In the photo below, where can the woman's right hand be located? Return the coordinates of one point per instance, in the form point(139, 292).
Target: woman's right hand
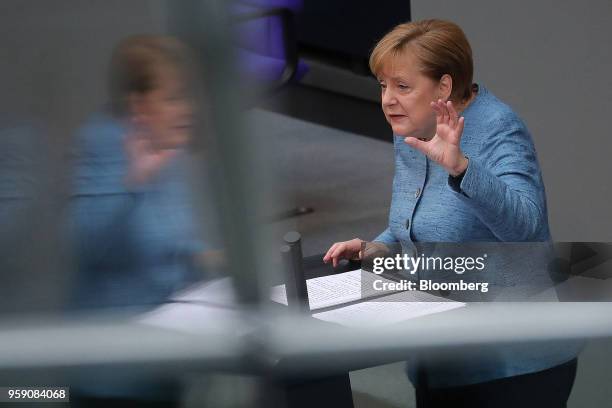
point(343, 250)
point(145, 161)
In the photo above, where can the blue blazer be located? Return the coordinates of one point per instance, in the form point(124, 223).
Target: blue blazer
point(133, 246)
point(500, 198)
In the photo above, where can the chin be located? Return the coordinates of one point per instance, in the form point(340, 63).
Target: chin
point(400, 131)
point(417, 134)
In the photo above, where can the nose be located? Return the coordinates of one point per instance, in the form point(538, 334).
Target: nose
point(388, 97)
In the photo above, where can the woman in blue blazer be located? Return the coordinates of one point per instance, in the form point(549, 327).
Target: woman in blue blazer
point(465, 170)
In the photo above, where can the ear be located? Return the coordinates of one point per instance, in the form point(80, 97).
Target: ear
point(445, 87)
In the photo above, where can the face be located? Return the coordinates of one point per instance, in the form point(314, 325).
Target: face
point(406, 95)
point(166, 112)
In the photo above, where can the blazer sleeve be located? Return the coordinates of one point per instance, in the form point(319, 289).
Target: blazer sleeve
point(386, 237)
point(504, 187)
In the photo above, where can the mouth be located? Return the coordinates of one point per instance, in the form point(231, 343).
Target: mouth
point(395, 117)
point(182, 127)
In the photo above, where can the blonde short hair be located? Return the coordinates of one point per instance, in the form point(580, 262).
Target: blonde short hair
point(137, 64)
point(441, 48)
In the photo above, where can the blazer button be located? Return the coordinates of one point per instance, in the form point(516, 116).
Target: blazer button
point(417, 193)
point(408, 223)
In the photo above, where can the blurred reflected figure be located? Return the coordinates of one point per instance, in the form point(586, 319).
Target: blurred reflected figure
point(135, 233)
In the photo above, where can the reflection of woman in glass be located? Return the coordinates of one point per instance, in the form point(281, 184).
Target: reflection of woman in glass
point(466, 170)
point(134, 231)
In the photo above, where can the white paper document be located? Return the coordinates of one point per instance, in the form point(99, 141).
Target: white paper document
point(388, 310)
point(217, 292)
point(357, 285)
point(202, 306)
point(334, 290)
point(190, 318)
point(209, 304)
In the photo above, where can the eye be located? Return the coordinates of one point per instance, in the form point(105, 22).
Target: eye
point(382, 85)
point(402, 87)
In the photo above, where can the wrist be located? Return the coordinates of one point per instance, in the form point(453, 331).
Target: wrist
point(460, 168)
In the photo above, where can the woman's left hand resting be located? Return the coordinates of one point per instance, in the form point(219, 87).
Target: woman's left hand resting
point(343, 250)
point(444, 148)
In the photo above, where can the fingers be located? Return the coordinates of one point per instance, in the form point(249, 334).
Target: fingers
point(452, 113)
point(338, 254)
point(460, 124)
point(340, 250)
point(439, 115)
point(445, 113)
point(331, 249)
point(444, 110)
point(420, 145)
point(442, 115)
point(334, 253)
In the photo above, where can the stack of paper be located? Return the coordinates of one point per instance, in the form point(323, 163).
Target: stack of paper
point(388, 310)
point(212, 303)
point(334, 290)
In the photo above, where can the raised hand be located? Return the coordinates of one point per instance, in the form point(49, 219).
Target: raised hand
point(444, 147)
point(145, 161)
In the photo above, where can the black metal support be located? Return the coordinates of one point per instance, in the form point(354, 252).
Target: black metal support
point(295, 282)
